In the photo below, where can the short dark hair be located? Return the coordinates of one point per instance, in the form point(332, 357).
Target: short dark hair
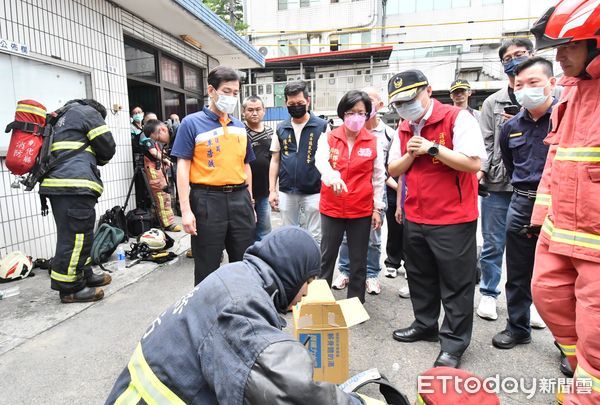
point(293, 88)
point(520, 42)
point(137, 106)
point(350, 99)
point(222, 74)
point(252, 98)
point(538, 60)
point(151, 126)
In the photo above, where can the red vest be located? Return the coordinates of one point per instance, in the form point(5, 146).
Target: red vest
point(356, 170)
point(437, 194)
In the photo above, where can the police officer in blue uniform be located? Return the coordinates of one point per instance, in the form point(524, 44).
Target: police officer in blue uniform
point(524, 156)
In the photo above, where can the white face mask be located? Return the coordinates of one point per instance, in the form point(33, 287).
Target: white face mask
point(410, 111)
point(531, 97)
point(226, 104)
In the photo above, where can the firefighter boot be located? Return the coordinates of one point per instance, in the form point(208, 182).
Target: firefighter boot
point(98, 280)
point(85, 295)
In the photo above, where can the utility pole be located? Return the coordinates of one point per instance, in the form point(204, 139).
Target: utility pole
point(383, 20)
point(232, 13)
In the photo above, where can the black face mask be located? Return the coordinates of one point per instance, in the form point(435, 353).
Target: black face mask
point(297, 111)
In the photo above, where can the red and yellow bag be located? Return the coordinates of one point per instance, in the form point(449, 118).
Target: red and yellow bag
point(26, 139)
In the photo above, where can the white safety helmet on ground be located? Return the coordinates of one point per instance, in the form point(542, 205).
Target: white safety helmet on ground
point(15, 265)
point(154, 238)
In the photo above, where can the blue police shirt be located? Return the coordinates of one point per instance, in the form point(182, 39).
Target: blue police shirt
point(523, 149)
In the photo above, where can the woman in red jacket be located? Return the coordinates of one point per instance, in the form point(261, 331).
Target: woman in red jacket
point(353, 175)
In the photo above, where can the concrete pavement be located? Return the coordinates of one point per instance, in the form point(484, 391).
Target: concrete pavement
point(76, 356)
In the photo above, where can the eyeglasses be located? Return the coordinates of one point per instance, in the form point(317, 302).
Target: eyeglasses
point(351, 113)
point(516, 55)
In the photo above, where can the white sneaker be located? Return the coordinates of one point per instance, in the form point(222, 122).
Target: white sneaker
point(340, 282)
point(373, 286)
point(535, 320)
point(487, 308)
point(404, 292)
point(391, 272)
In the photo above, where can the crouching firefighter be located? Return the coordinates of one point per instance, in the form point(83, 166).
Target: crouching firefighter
point(223, 342)
point(81, 142)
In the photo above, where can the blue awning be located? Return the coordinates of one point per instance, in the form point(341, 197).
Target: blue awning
point(208, 17)
point(193, 19)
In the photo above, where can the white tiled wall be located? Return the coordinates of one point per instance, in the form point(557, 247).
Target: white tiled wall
point(86, 34)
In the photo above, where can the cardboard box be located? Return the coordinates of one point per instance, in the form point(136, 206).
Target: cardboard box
point(321, 323)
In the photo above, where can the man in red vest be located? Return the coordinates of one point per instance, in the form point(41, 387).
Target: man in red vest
point(439, 149)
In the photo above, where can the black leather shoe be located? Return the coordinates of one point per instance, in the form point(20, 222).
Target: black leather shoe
point(412, 334)
point(98, 280)
point(506, 340)
point(565, 366)
point(85, 295)
point(445, 359)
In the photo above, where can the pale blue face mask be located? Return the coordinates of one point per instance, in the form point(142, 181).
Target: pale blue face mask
point(531, 97)
point(138, 117)
point(226, 103)
point(411, 110)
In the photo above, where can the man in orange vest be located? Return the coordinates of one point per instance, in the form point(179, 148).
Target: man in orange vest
point(566, 282)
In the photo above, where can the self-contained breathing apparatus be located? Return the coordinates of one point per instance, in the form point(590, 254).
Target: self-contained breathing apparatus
point(29, 153)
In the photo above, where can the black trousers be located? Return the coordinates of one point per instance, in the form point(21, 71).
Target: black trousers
point(393, 247)
point(223, 221)
point(75, 218)
point(142, 197)
point(357, 233)
point(440, 264)
point(520, 254)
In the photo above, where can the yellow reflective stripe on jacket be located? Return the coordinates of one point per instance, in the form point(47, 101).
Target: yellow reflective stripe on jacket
point(515, 134)
point(152, 390)
point(420, 400)
point(567, 350)
point(102, 129)
point(543, 199)
point(26, 108)
point(587, 240)
point(65, 278)
point(581, 374)
point(77, 246)
point(73, 183)
point(591, 154)
point(70, 145)
point(129, 397)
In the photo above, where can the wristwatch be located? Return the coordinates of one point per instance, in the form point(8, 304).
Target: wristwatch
point(434, 150)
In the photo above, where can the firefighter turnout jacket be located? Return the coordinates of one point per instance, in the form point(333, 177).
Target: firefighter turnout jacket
point(79, 175)
point(567, 204)
point(223, 342)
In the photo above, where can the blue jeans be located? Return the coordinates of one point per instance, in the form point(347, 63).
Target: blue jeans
point(493, 228)
point(373, 255)
point(263, 217)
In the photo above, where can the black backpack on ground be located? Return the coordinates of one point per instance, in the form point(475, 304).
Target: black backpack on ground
point(139, 221)
point(115, 217)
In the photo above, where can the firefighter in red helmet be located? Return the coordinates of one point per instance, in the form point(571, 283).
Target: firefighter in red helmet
point(566, 279)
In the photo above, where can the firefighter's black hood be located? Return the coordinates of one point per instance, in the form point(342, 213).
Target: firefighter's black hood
point(292, 256)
